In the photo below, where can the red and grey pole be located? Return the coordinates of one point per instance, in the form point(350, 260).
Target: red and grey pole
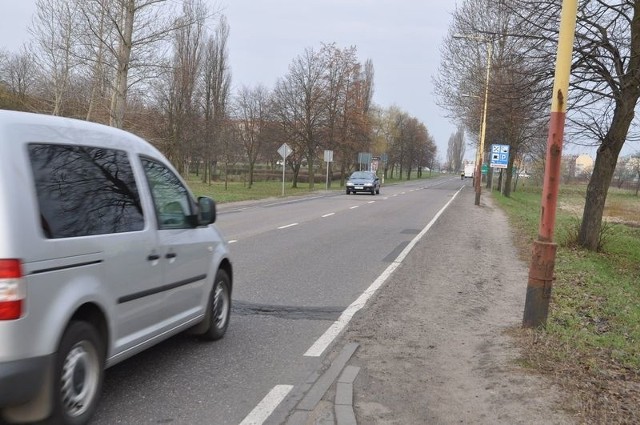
point(541, 270)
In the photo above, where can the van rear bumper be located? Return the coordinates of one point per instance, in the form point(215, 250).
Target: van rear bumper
point(21, 380)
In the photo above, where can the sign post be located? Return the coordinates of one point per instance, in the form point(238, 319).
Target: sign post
point(328, 157)
point(284, 151)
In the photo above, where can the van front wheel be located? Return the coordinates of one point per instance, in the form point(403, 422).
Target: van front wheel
point(219, 308)
point(79, 372)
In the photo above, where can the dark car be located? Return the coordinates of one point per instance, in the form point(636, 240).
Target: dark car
point(363, 181)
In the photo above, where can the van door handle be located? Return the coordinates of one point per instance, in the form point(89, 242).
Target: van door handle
point(153, 257)
point(171, 255)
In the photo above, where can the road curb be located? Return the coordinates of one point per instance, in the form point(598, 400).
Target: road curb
point(344, 412)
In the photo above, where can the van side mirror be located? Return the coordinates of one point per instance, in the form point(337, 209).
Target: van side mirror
point(207, 210)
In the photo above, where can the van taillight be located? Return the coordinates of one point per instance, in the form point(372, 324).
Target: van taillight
point(12, 290)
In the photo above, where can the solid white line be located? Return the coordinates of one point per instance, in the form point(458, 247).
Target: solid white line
point(328, 215)
point(265, 408)
point(354, 207)
point(339, 325)
point(288, 225)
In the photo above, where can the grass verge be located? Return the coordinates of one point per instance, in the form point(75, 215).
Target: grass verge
point(591, 344)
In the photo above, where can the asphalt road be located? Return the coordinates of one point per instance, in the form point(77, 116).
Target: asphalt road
point(298, 263)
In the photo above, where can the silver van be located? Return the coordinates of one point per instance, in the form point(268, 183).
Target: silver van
point(104, 252)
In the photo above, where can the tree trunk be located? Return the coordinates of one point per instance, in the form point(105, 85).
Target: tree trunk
point(296, 171)
point(312, 174)
point(119, 98)
point(606, 159)
point(252, 164)
point(509, 175)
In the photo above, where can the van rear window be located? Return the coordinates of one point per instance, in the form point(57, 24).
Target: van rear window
point(84, 190)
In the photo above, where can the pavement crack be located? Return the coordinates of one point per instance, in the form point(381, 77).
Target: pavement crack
point(286, 312)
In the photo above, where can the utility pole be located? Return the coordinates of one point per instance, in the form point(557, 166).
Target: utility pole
point(543, 256)
point(477, 178)
point(483, 130)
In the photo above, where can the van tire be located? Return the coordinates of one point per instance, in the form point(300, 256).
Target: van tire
point(218, 308)
point(78, 374)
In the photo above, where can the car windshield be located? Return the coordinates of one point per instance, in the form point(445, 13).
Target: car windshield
point(361, 175)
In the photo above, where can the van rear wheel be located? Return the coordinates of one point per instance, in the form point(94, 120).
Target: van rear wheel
point(79, 371)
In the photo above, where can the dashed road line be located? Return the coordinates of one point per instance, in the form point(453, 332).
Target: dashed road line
point(328, 215)
point(287, 226)
point(265, 408)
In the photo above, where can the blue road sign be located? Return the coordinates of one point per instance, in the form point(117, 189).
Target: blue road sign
point(499, 156)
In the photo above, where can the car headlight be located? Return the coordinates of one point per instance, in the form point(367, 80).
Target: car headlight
point(368, 184)
point(349, 183)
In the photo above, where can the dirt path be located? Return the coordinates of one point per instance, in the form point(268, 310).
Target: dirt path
point(433, 347)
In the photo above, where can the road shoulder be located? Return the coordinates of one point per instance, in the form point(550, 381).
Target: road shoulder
point(433, 346)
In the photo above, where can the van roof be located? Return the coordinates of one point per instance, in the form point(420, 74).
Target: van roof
point(48, 128)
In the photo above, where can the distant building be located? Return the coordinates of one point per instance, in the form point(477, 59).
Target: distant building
point(584, 165)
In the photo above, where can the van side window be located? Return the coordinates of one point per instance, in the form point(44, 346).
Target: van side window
point(171, 199)
point(84, 190)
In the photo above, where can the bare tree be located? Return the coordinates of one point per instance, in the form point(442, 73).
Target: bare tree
point(215, 88)
point(187, 51)
point(136, 30)
point(301, 98)
point(384, 133)
point(54, 40)
point(456, 150)
point(252, 115)
point(18, 72)
point(605, 86)
point(349, 92)
point(516, 85)
point(96, 33)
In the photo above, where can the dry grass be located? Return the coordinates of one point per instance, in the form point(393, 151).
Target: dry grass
point(590, 347)
point(597, 391)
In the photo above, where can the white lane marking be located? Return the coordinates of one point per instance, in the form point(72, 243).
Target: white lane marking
point(371, 202)
point(328, 215)
point(288, 225)
point(265, 408)
point(354, 207)
point(233, 241)
point(339, 325)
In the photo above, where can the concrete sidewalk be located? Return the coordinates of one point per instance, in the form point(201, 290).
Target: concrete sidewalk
point(430, 347)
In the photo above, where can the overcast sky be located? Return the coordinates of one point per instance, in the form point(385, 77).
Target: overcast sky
point(401, 37)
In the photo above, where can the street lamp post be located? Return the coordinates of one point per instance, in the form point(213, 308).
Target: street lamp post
point(478, 145)
point(483, 130)
point(483, 126)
